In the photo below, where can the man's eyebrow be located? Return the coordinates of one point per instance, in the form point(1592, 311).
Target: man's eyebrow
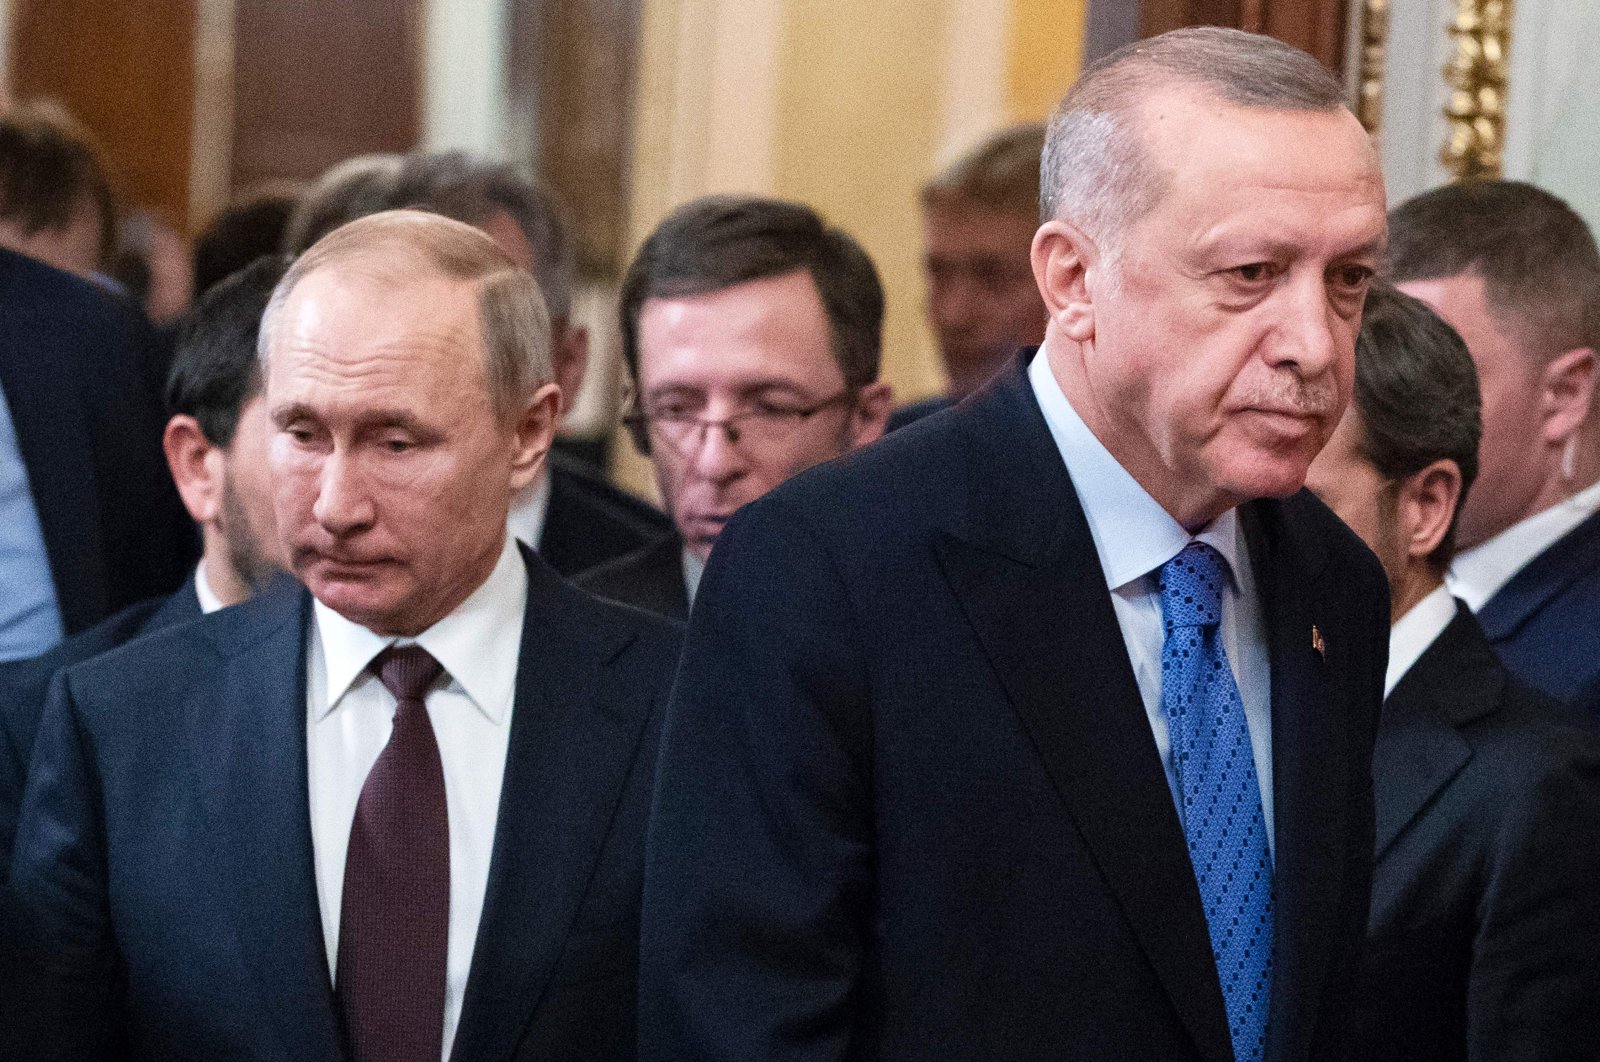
point(290, 413)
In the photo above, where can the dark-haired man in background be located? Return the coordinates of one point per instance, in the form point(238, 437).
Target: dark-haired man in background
point(978, 219)
point(1484, 928)
point(1516, 272)
point(216, 447)
point(751, 330)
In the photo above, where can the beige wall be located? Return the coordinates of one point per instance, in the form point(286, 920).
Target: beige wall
point(845, 106)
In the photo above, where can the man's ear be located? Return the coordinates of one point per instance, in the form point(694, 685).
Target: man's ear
point(534, 431)
point(1567, 393)
point(873, 405)
point(197, 467)
point(1062, 257)
point(1425, 507)
point(569, 358)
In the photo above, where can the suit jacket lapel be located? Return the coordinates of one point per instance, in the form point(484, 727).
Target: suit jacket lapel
point(1419, 746)
point(573, 743)
point(250, 746)
point(1026, 572)
point(1309, 739)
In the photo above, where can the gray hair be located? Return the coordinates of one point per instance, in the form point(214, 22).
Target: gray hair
point(473, 190)
point(1097, 172)
point(403, 245)
point(348, 190)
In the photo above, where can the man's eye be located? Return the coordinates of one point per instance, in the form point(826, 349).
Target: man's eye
point(398, 446)
point(1353, 277)
point(299, 434)
point(1254, 273)
point(774, 411)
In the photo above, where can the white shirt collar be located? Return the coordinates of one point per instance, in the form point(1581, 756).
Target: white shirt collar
point(693, 569)
point(209, 601)
point(1411, 635)
point(1132, 533)
point(478, 643)
point(1477, 574)
point(529, 508)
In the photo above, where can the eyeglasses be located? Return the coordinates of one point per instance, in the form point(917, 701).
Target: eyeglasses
point(764, 424)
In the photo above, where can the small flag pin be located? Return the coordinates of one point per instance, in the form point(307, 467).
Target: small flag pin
point(1317, 643)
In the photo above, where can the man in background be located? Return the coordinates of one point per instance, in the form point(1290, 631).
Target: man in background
point(978, 220)
point(1484, 930)
point(55, 200)
point(216, 448)
point(752, 332)
point(1515, 271)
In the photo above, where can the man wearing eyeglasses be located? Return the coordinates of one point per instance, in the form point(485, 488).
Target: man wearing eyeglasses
point(752, 332)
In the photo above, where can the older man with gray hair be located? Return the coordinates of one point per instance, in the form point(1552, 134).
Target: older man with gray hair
point(399, 817)
point(1043, 728)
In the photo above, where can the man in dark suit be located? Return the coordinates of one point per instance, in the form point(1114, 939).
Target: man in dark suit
point(91, 522)
point(1042, 728)
point(1515, 271)
point(216, 445)
point(1484, 930)
point(752, 333)
point(978, 217)
point(400, 817)
point(569, 513)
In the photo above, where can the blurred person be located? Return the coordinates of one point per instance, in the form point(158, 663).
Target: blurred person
point(569, 513)
point(1515, 271)
point(351, 189)
point(1042, 728)
point(216, 449)
point(56, 203)
point(1484, 930)
point(399, 817)
point(978, 220)
point(249, 228)
point(89, 520)
point(752, 332)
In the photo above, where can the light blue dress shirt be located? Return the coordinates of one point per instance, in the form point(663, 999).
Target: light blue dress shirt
point(1134, 536)
point(30, 619)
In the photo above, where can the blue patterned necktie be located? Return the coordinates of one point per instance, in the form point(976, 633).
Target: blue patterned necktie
point(1220, 801)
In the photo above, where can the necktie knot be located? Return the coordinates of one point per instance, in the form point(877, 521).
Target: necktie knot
point(1191, 587)
point(406, 672)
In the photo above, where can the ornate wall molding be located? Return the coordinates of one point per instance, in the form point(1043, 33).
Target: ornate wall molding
point(1371, 64)
point(1477, 75)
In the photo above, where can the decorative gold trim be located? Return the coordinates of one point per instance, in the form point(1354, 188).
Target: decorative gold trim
point(1477, 79)
point(1374, 54)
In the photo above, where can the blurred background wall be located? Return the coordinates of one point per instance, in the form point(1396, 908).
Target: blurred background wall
point(629, 107)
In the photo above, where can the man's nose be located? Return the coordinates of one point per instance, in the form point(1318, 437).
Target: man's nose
point(1307, 332)
point(718, 458)
point(343, 503)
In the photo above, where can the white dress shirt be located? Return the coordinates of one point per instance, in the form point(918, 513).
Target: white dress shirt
point(1411, 635)
point(693, 569)
point(1134, 536)
point(1477, 574)
point(350, 716)
point(529, 507)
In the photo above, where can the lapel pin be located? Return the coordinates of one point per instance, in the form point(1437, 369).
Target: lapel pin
point(1318, 644)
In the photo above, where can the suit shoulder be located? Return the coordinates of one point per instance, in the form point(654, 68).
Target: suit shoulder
point(634, 629)
point(611, 501)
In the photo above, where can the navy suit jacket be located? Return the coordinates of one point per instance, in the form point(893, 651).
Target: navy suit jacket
point(71, 364)
point(1485, 928)
point(24, 685)
point(164, 875)
point(909, 805)
point(1545, 622)
point(590, 521)
point(650, 578)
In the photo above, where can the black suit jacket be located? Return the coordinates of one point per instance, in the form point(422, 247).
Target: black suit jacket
point(650, 578)
point(590, 521)
point(71, 363)
point(909, 805)
point(1485, 927)
point(164, 872)
point(25, 683)
point(1544, 624)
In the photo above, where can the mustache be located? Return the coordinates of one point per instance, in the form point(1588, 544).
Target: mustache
point(1291, 394)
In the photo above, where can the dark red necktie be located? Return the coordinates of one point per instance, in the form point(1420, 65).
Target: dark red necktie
point(394, 920)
